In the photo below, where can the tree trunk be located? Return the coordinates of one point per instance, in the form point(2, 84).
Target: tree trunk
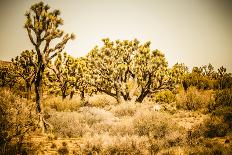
point(82, 95)
point(126, 94)
point(142, 96)
point(72, 93)
point(63, 95)
point(118, 96)
point(63, 90)
point(28, 90)
point(38, 95)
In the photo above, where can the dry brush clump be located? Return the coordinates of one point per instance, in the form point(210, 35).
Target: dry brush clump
point(106, 144)
point(17, 119)
point(67, 124)
point(79, 123)
point(124, 109)
point(159, 127)
point(101, 100)
point(194, 99)
point(58, 104)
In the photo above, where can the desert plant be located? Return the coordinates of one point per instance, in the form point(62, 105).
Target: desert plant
point(59, 75)
point(23, 66)
point(101, 100)
point(224, 97)
point(42, 27)
point(57, 103)
point(124, 109)
point(194, 99)
point(110, 67)
point(159, 128)
point(152, 72)
point(17, 121)
point(165, 97)
point(67, 124)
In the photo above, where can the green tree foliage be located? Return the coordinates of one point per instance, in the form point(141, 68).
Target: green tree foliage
point(80, 81)
point(60, 74)
point(152, 72)
point(179, 71)
point(206, 78)
point(110, 67)
point(42, 27)
point(23, 66)
point(7, 75)
point(224, 78)
point(117, 65)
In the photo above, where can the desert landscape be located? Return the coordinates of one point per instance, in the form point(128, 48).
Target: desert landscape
point(121, 97)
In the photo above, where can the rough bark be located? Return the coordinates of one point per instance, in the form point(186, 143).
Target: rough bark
point(143, 94)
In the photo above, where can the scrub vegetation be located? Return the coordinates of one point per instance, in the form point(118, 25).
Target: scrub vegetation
point(121, 98)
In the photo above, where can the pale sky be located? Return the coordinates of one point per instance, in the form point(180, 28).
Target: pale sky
point(194, 32)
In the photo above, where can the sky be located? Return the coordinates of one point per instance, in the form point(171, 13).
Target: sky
point(193, 32)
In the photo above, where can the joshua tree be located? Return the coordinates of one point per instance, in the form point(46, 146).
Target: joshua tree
point(42, 27)
point(151, 71)
point(24, 68)
point(60, 74)
point(110, 67)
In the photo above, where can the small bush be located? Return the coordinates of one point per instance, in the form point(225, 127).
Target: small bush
point(194, 99)
point(62, 105)
point(77, 124)
point(64, 149)
point(159, 126)
point(223, 97)
point(124, 109)
point(101, 101)
point(165, 97)
point(67, 124)
point(211, 127)
point(207, 146)
point(93, 115)
point(105, 144)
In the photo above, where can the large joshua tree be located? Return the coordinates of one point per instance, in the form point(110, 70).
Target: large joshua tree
point(42, 27)
point(110, 67)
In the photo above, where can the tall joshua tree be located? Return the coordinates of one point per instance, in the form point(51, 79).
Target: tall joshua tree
point(42, 27)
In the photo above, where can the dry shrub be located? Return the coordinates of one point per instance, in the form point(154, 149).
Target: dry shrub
point(211, 127)
point(17, 119)
point(194, 99)
point(124, 109)
point(207, 146)
point(105, 144)
point(224, 112)
point(165, 96)
point(159, 128)
point(93, 115)
point(58, 104)
point(67, 124)
point(64, 149)
point(224, 97)
point(122, 127)
point(76, 124)
point(101, 101)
